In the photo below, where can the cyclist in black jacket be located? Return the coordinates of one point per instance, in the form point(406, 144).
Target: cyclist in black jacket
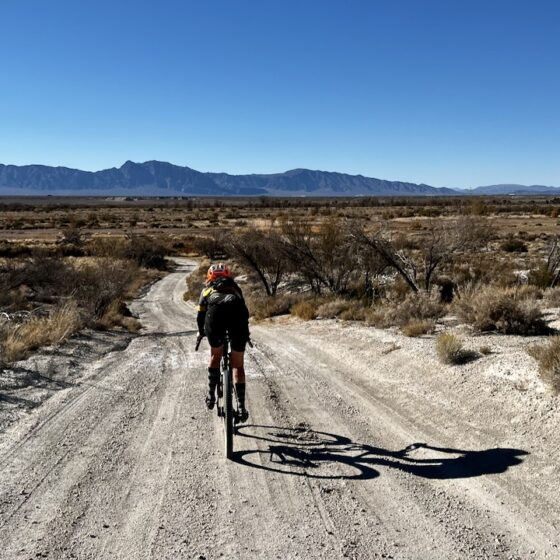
point(221, 310)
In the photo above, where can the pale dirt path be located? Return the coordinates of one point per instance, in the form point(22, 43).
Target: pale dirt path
point(128, 463)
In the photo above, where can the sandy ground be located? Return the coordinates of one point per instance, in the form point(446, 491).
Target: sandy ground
point(359, 445)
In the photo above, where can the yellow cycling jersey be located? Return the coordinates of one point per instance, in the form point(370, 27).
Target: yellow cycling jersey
point(203, 300)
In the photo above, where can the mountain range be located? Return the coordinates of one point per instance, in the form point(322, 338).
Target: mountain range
point(157, 178)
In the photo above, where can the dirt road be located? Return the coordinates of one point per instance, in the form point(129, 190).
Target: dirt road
point(127, 463)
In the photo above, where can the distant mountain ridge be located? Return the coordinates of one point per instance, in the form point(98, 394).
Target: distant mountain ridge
point(157, 178)
point(514, 189)
point(165, 179)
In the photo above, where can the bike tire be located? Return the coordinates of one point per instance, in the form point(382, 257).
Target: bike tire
point(228, 414)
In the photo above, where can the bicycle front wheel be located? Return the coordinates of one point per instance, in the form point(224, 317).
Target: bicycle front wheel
point(228, 414)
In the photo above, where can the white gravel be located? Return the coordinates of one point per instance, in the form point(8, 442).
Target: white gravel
point(125, 462)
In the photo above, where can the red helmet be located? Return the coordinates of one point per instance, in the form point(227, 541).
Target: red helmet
point(217, 270)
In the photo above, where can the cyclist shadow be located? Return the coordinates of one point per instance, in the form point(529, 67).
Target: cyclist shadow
point(301, 451)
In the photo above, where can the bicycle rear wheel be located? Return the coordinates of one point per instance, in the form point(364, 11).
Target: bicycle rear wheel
point(228, 414)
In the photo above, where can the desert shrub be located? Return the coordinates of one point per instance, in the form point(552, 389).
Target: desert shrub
point(61, 323)
point(334, 308)
point(548, 358)
point(262, 307)
point(106, 246)
point(418, 327)
point(541, 277)
point(416, 306)
point(450, 349)
point(528, 292)
point(101, 282)
point(306, 309)
point(146, 251)
point(45, 275)
point(500, 309)
point(183, 245)
point(551, 297)
point(513, 245)
point(11, 249)
point(212, 247)
point(484, 268)
point(118, 315)
point(356, 312)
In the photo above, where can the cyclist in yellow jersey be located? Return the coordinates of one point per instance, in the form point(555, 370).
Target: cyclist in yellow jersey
point(221, 311)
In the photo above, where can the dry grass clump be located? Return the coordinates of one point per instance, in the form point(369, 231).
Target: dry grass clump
point(450, 349)
point(418, 327)
point(306, 309)
point(334, 308)
point(501, 310)
point(528, 292)
point(262, 307)
point(548, 358)
point(348, 310)
point(418, 307)
point(118, 315)
point(40, 331)
point(551, 297)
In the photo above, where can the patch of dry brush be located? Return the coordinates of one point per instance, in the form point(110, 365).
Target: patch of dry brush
point(62, 322)
point(503, 310)
point(47, 296)
point(450, 350)
point(548, 358)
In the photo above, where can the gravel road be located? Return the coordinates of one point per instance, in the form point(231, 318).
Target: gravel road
point(339, 458)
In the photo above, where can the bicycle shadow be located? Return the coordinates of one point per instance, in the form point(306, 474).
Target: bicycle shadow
point(304, 452)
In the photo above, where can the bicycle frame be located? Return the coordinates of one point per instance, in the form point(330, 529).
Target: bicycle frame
point(225, 395)
point(224, 408)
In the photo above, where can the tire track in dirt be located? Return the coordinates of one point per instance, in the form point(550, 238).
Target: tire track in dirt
point(131, 464)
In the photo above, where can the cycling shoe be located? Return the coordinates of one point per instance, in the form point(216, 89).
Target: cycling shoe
point(241, 416)
point(210, 402)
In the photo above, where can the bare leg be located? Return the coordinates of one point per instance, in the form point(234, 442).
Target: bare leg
point(215, 356)
point(237, 366)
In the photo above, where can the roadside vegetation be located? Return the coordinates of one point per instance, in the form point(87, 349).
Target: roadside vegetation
point(458, 267)
point(412, 264)
point(548, 358)
point(57, 289)
point(339, 268)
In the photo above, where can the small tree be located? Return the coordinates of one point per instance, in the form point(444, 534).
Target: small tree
point(261, 252)
point(214, 246)
point(443, 239)
point(324, 256)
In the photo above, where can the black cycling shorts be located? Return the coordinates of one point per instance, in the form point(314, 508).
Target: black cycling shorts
point(227, 318)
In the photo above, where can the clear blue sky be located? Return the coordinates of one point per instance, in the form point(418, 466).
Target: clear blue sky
point(445, 92)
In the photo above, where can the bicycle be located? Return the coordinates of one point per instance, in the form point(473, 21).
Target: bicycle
point(224, 393)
